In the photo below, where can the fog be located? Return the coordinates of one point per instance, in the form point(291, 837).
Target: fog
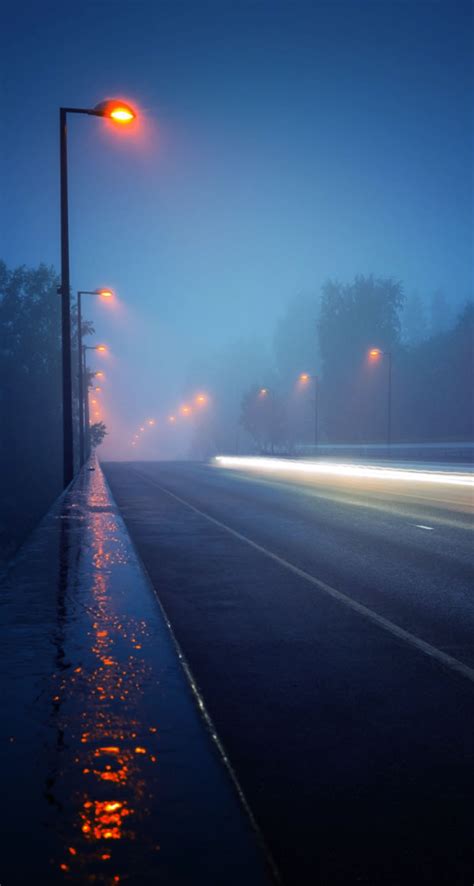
point(297, 190)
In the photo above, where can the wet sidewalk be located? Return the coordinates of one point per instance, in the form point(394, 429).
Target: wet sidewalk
point(110, 773)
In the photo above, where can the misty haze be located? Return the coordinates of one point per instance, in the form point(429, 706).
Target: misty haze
point(237, 439)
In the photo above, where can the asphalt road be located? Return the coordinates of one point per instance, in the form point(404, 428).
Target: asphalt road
point(329, 625)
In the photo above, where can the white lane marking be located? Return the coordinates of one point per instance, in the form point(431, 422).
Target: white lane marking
point(420, 526)
point(370, 472)
point(432, 652)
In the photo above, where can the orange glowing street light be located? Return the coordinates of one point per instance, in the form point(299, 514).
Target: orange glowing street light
point(304, 377)
point(263, 392)
point(116, 110)
point(151, 422)
point(201, 399)
point(185, 410)
point(99, 375)
point(376, 354)
point(172, 419)
point(121, 113)
point(101, 348)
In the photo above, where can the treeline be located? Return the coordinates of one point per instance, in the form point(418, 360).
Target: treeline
point(30, 399)
point(344, 399)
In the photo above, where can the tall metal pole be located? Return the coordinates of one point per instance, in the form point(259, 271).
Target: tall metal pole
point(68, 450)
point(389, 403)
point(86, 404)
point(81, 380)
point(315, 410)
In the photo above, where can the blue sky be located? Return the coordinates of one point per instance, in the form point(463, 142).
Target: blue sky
point(282, 143)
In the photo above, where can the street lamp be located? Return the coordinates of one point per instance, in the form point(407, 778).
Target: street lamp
point(376, 354)
point(121, 113)
point(104, 293)
point(263, 393)
point(305, 378)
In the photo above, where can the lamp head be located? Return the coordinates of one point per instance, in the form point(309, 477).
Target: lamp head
point(116, 110)
point(375, 353)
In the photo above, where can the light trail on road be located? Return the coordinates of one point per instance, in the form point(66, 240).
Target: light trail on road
point(328, 469)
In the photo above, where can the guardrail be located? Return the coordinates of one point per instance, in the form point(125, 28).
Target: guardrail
point(456, 453)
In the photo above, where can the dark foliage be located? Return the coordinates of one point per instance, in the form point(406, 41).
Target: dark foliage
point(432, 397)
point(30, 399)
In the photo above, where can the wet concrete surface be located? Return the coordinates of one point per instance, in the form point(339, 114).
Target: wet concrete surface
point(109, 772)
point(354, 748)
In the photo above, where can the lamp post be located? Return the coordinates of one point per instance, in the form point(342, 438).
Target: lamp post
point(121, 113)
point(84, 348)
point(374, 355)
point(105, 293)
point(304, 378)
point(265, 393)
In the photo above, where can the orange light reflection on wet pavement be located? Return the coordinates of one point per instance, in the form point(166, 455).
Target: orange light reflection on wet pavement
point(111, 768)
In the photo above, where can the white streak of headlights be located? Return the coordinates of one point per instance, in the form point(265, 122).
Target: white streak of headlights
point(370, 472)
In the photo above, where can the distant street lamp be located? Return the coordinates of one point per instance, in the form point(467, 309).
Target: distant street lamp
point(305, 378)
point(121, 113)
point(376, 354)
point(264, 393)
point(104, 293)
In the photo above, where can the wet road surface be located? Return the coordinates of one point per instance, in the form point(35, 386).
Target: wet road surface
point(329, 627)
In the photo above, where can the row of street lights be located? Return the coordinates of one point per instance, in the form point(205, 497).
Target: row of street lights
point(375, 354)
point(121, 113)
point(304, 378)
point(186, 410)
point(84, 448)
point(84, 422)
